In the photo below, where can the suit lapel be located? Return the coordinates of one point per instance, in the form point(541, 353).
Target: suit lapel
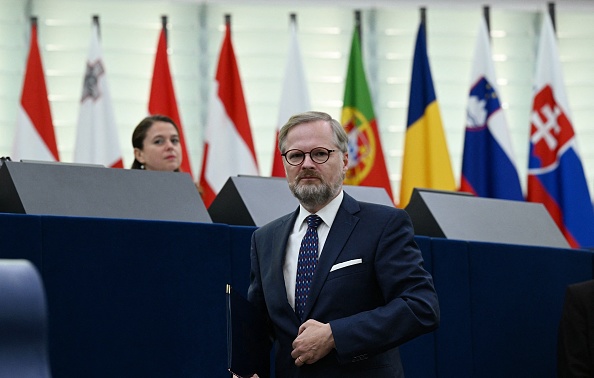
point(342, 227)
point(279, 247)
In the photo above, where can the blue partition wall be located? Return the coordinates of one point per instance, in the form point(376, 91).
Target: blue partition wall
point(20, 238)
point(500, 306)
point(419, 356)
point(516, 295)
point(451, 272)
point(133, 298)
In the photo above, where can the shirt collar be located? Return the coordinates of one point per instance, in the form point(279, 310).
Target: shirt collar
point(327, 213)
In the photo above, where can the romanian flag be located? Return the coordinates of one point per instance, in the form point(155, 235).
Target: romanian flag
point(426, 162)
point(366, 158)
point(555, 172)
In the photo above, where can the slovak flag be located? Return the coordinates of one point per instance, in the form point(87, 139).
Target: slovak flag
point(228, 145)
point(97, 140)
point(555, 173)
point(488, 164)
point(34, 137)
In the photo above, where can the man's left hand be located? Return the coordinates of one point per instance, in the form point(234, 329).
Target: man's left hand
point(313, 342)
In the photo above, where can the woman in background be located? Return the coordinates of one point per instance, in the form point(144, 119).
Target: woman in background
point(156, 145)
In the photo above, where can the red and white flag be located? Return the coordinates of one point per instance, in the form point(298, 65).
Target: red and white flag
point(228, 146)
point(295, 96)
point(162, 98)
point(34, 137)
point(97, 140)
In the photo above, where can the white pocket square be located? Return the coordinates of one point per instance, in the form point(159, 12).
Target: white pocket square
point(344, 264)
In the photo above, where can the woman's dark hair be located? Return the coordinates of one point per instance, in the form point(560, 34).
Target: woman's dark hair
point(140, 133)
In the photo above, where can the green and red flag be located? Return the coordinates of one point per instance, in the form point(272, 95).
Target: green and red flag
point(367, 166)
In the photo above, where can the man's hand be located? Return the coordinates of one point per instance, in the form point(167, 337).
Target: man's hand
point(313, 342)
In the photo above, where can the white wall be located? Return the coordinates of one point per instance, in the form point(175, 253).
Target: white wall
point(129, 37)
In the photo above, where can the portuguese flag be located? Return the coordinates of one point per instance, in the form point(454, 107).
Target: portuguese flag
point(366, 158)
point(367, 166)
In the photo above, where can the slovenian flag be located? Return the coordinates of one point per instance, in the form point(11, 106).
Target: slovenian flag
point(488, 164)
point(555, 172)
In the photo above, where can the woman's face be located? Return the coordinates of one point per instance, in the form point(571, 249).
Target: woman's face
point(161, 149)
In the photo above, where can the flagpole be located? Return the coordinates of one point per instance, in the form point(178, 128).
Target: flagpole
point(487, 15)
point(33, 24)
point(358, 23)
point(551, 6)
point(96, 22)
point(423, 12)
point(164, 26)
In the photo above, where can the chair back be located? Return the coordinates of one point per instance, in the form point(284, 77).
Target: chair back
point(23, 321)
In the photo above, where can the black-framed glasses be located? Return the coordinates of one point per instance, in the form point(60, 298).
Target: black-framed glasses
point(319, 155)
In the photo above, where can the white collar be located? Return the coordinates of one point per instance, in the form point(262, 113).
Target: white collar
point(327, 213)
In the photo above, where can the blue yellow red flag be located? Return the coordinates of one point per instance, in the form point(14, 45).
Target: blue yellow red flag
point(426, 161)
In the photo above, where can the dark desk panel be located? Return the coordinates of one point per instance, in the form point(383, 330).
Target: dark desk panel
point(135, 298)
point(20, 238)
point(451, 274)
point(241, 237)
point(516, 297)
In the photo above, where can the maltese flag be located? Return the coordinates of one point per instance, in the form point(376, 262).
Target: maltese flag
point(97, 140)
point(488, 163)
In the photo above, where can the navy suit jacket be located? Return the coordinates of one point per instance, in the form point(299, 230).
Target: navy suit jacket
point(372, 307)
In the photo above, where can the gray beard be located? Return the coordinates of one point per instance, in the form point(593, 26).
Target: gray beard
point(311, 196)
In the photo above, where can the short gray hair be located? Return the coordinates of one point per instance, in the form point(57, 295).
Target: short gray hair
point(341, 139)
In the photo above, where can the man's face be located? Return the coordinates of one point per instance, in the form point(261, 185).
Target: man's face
point(312, 183)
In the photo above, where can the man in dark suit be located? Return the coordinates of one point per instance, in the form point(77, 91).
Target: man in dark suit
point(368, 292)
point(575, 346)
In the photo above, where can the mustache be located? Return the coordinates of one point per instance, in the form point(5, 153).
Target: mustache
point(307, 174)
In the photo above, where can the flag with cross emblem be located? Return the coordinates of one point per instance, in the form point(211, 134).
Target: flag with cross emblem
point(555, 173)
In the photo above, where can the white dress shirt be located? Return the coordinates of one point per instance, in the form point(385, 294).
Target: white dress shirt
point(327, 213)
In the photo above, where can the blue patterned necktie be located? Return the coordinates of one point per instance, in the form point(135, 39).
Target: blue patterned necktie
point(306, 263)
